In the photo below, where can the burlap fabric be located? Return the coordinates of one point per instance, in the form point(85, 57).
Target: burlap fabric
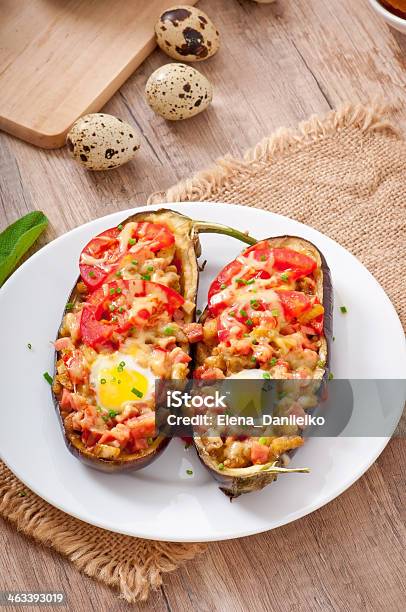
point(346, 176)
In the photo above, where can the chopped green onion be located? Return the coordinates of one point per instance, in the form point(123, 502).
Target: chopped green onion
point(105, 418)
point(121, 309)
point(112, 291)
point(119, 273)
point(232, 314)
point(262, 440)
point(253, 359)
point(273, 362)
point(263, 257)
point(131, 241)
point(330, 375)
point(103, 381)
point(249, 322)
point(114, 319)
point(150, 269)
point(112, 413)
point(343, 309)
point(223, 286)
point(220, 466)
point(112, 307)
point(169, 331)
point(134, 262)
point(69, 306)
point(189, 472)
point(29, 345)
point(118, 290)
point(146, 277)
point(92, 274)
point(150, 441)
point(275, 312)
point(285, 276)
point(246, 335)
point(321, 363)
point(254, 304)
point(120, 227)
point(48, 378)
point(266, 375)
point(137, 392)
point(243, 313)
point(250, 282)
point(240, 281)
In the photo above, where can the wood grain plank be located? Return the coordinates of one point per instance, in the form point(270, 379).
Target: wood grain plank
point(347, 556)
point(26, 565)
point(95, 44)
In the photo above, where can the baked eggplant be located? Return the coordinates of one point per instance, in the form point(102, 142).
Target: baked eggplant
point(128, 321)
point(269, 316)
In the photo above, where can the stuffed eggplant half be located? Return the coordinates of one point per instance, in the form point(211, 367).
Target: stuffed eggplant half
point(269, 316)
point(128, 321)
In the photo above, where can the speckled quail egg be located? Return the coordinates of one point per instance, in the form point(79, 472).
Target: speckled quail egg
point(101, 142)
point(187, 33)
point(177, 91)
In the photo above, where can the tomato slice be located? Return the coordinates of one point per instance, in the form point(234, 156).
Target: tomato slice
point(103, 247)
point(114, 308)
point(288, 259)
point(103, 254)
point(223, 279)
point(294, 303)
point(284, 259)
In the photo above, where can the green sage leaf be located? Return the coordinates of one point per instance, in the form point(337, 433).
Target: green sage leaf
point(17, 239)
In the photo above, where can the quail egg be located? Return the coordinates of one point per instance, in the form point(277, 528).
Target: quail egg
point(187, 33)
point(101, 142)
point(177, 91)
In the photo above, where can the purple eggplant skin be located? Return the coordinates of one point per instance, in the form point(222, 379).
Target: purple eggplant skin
point(233, 485)
point(187, 251)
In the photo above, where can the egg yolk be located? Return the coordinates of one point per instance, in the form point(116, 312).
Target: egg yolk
point(114, 387)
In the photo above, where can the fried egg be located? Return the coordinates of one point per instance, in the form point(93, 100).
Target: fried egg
point(118, 378)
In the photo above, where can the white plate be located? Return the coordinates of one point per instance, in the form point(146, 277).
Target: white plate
point(162, 501)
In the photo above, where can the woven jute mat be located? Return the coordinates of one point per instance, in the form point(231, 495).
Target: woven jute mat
point(344, 175)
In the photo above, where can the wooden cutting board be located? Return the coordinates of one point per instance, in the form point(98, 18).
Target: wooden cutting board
point(60, 59)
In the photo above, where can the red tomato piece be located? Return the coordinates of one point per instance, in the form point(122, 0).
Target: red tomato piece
point(142, 426)
point(104, 247)
point(224, 278)
point(259, 453)
point(282, 258)
point(113, 308)
point(103, 254)
point(289, 259)
point(294, 303)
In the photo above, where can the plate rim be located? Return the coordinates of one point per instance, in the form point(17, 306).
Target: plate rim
point(212, 537)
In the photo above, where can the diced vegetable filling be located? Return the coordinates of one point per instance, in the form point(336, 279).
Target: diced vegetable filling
point(264, 314)
point(128, 326)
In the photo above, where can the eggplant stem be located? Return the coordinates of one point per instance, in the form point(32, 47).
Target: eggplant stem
point(283, 470)
point(203, 227)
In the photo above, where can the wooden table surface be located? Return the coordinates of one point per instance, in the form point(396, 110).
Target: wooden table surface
point(278, 64)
